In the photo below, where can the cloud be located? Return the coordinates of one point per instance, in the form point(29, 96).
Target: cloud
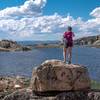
point(28, 9)
point(28, 22)
point(41, 25)
point(96, 12)
point(92, 26)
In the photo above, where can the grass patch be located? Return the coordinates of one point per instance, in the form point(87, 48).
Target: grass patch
point(95, 84)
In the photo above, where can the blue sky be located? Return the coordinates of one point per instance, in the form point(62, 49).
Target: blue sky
point(76, 8)
point(51, 17)
point(10, 3)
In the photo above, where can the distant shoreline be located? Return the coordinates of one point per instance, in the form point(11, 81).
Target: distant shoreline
point(40, 46)
point(8, 45)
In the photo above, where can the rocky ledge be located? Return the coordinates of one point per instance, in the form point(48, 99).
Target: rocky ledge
point(28, 94)
point(53, 80)
point(93, 41)
point(8, 45)
point(10, 84)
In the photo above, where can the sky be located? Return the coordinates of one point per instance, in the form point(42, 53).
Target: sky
point(48, 19)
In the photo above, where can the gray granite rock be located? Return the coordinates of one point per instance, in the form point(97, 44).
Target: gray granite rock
point(54, 75)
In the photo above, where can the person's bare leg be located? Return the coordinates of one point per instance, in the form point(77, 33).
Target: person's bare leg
point(64, 54)
point(69, 54)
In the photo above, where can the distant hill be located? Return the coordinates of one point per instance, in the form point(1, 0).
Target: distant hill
point(28, 43)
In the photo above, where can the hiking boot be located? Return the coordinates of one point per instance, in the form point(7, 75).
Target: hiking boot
point(64, 61)
point(69, 62)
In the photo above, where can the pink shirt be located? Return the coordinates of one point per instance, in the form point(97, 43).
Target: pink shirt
point(69, 36)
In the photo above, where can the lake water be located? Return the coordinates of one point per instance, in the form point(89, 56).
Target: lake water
point(22, 63)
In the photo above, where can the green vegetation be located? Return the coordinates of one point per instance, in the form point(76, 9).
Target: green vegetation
point(95, 84)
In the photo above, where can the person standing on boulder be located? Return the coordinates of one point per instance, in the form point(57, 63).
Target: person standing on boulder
point(68, 44)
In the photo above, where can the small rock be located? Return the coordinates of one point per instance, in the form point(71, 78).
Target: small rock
point(17, 86)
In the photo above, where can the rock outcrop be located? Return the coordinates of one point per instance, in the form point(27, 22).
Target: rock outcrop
point(13, 83)
point(54, 75)
point(8, 45)
point(97, 43)
point(9, 85)
point(27, 94)
point(90, 40)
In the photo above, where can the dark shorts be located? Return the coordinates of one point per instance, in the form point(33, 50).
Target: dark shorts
point(68, 44)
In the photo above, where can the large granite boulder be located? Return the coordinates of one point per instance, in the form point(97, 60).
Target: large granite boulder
point(54, 75)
